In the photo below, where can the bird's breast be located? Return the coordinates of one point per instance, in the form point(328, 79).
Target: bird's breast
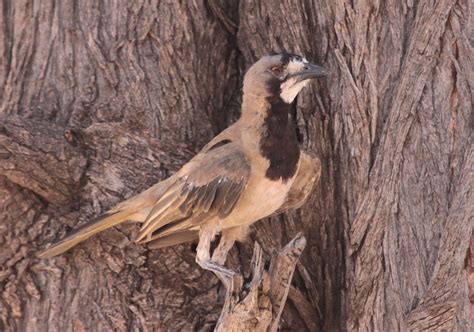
point(261, 198)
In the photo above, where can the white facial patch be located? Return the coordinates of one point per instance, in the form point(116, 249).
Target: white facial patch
point(296, 66)
point(291, 87)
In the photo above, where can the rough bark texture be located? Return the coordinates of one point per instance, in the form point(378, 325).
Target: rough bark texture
point(100, 99)
point(258, 305)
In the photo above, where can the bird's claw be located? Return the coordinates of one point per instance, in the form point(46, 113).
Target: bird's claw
point(225, 275)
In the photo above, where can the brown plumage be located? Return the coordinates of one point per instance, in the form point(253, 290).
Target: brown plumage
point(251, 170)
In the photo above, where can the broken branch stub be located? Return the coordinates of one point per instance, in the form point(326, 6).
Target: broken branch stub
point(257, 306)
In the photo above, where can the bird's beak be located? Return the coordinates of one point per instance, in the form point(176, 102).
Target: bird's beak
point(311, 71)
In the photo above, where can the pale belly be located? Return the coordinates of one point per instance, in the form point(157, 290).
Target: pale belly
point(261, 198)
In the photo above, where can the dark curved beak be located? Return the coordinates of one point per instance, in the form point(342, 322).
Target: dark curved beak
point(311, 71)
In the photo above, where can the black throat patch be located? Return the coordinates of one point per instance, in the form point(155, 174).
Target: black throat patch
point(279, 143)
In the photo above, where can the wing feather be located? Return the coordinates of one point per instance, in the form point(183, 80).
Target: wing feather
point(231, 198)
point(173, 239)
point(209, 186)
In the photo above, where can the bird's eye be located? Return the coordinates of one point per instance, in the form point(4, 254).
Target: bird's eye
point(276, 70)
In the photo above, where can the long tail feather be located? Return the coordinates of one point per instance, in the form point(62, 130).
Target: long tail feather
point(173, 239)
point(135, 208)
point(95, 226)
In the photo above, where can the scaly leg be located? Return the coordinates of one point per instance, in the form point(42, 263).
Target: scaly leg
point(203, 256)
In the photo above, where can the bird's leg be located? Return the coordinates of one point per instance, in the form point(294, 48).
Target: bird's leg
point(219, 255)
point(203, 256)
point(228, 238)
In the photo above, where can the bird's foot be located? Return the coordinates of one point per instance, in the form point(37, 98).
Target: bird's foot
point(225, 275)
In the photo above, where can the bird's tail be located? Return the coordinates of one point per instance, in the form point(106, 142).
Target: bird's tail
point(135, 208)
point(99, 224)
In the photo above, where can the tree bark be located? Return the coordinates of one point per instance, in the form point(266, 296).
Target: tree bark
point(101, 99)
point(258, 305)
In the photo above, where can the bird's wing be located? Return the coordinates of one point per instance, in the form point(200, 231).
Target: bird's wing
point(208, 186)
point(309, 172)
point(174, 239)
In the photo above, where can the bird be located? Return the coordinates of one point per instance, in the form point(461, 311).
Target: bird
point(251, 170)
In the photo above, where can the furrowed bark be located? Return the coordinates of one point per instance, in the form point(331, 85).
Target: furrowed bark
point(42, 157)
point(100, 100)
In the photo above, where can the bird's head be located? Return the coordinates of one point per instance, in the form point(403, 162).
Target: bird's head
point(280, 75)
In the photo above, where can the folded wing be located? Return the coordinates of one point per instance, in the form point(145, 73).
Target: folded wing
point(207, 187)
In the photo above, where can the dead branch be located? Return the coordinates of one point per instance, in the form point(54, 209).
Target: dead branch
point(257, 306)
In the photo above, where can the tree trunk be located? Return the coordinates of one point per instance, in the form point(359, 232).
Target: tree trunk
point(101, 99)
